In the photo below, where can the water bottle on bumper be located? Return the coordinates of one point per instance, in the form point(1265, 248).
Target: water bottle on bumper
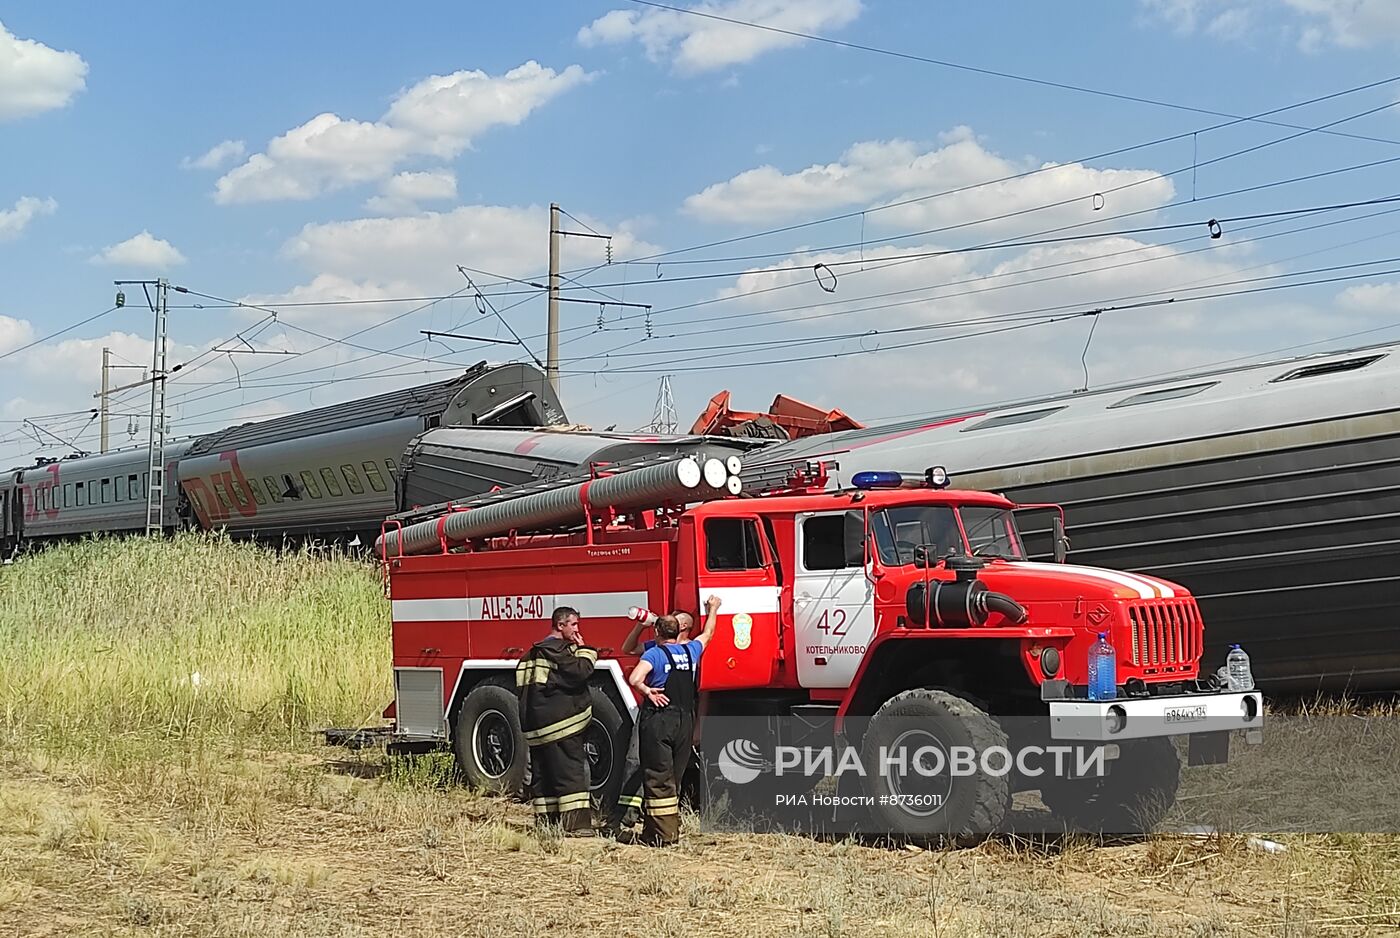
point(1238, 675)
point(1103, 670)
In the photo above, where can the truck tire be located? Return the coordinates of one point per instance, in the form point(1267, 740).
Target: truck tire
point(488, 742)
point(1132, 798)
point(961, 809)
point(606, 745)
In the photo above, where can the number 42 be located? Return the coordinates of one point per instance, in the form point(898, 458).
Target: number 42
point(832, 622)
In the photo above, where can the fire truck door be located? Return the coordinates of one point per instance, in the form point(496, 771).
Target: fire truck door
point(739, 568)
point(833, 603)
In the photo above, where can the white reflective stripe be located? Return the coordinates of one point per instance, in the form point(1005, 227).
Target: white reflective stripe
point(430, 610)
point(598, 605)
point(750, 599)
point(1138, 585)
point(1164, 589)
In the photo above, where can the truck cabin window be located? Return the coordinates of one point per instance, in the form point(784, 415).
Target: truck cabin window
point(732, 544)
point(991, 532)
point(898, 531)
point(823, 543)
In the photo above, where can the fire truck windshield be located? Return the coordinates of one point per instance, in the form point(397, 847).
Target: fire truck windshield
point(991, 532)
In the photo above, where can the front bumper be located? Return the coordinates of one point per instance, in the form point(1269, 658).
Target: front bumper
point(1146, 717)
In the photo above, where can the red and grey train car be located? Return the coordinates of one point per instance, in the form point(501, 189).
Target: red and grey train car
point(332, 472)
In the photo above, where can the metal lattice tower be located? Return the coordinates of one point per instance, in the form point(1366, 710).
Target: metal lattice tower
point(155, 486)
point(663, 416)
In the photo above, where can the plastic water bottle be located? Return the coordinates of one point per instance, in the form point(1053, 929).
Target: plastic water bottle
point(644, 616)
point(1237, 673)
point(1103, 670)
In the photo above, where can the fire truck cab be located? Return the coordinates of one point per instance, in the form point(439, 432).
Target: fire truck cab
point(892, 612)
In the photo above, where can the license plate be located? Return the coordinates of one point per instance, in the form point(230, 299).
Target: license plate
point(1196, 714)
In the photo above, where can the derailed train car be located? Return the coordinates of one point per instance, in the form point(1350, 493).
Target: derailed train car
point(1271, 491)
point(330, 472)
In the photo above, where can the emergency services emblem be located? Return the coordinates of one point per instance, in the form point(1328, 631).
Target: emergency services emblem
point(743, 631)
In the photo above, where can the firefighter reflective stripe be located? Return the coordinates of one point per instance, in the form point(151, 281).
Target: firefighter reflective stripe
point(560, 730)
point(575, 802)
point(533, 671)
point(631, 801)
point(551, 805)
point(662, 807)
point(583, 651)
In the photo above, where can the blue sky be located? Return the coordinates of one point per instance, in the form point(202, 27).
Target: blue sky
point(297, 153)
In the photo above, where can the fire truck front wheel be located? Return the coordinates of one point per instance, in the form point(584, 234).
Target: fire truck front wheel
point(488, 742)
point(917, 787)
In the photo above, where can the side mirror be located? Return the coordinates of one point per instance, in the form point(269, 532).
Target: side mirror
point(1061, 541)
point(921, 556)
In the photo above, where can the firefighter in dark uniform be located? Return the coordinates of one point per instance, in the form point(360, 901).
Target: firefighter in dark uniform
point(629, 802)
point(666, 680)
point(555, 710)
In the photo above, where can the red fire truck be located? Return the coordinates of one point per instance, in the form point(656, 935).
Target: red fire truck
point(888, 613)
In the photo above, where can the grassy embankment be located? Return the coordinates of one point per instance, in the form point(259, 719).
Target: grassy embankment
point(159, 776)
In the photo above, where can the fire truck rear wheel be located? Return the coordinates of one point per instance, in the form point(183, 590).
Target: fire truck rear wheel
point(924, 803)
point(606, 745)
point(1133, 797)
point(488, 742)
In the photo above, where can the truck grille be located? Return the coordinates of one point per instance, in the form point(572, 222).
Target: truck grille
point(1166, 634)
point(418, 707)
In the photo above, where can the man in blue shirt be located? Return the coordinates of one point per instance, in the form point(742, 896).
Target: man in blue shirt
point(665, 678)
point(629, 801)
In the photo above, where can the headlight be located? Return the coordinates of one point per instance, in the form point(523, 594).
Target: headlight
point(1116, 718)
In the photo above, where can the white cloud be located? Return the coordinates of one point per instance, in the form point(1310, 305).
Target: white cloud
point(882, 172)
point(217, 156)
point(373, 258)
point(144, 251)
point(1371, 298)
point(402, 193)
point(697, 44)
point(438, 117)
point(14, 333)
point(14, 220)
point(35, 78)
point(1345, 23)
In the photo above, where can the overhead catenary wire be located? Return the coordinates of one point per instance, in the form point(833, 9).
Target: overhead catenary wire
point(871, 209)
point(958, 66)
point(678, 365)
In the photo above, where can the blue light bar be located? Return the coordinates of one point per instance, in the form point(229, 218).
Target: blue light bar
point(877, 480)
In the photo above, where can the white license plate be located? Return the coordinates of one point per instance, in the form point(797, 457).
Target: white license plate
point(1176, 715)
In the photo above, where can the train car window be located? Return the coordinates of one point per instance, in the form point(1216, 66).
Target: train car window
point(1007, 420)
point(106, 491)
point(255, 487)
point(1163, 394)
point(352, 480)
point(118, 490)
point(80, 499)
point(274, 491)
point(376, 478)
point(222, 494)
point(393, 470)
point(67, 494)
point(308, 481)
point(145, 483)
point(1327, 368)
point(732, 544)
point(332, 486)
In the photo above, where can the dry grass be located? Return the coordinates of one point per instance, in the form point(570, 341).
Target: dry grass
point(134, 803)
